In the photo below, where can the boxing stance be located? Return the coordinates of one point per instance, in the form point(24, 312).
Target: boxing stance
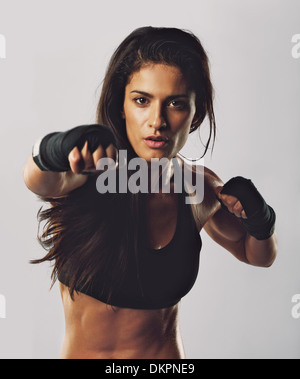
point(124, 261)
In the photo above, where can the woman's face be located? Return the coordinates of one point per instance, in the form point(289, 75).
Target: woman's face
point(158, 110)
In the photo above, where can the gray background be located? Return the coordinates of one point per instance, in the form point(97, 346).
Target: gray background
point(57, 52)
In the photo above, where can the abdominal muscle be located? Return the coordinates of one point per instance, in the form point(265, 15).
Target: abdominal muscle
point(96, 331)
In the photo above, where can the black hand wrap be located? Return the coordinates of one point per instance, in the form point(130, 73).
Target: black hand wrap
point(55, 147)
point(260, 222)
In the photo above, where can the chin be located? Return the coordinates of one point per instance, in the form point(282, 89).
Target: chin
point(155, 155)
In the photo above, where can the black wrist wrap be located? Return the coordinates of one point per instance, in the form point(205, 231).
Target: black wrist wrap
point(260, 222)
point(55, 147)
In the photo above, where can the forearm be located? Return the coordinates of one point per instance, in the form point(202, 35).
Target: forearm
point(50, 184)
point(260, 252)
point(240, 198)
point(228, 231)
point(55, 167)
point(255, 252)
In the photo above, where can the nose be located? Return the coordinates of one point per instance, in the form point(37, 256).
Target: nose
point(156, 118)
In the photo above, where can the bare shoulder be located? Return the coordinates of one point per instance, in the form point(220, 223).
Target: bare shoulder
point(210, 184)
point(212, 178)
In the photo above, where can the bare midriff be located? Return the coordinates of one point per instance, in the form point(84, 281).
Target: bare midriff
point(95, 330)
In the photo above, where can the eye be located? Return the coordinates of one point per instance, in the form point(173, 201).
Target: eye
point(140, 100)
point(178, 104)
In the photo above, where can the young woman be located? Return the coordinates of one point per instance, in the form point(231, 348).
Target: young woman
point(125, 259)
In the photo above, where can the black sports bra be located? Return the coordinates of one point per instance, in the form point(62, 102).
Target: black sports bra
point(166, 275)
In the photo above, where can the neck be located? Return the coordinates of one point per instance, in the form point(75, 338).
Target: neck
point(161, 177)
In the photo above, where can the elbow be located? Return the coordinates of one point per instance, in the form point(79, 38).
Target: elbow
point(264, 262)
point(26, 176)
point(270, 262)
point(262, 253)
point(31, 180)
point(267, 260)
point(272, 251)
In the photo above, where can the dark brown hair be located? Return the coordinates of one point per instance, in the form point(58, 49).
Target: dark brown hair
point(171, 46)
point(94, 234)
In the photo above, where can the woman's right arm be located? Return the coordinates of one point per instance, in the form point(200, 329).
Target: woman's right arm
point(57, 184)
point(51, 184)
point(60, 157)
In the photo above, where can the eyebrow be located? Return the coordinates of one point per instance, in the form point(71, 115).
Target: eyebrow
point(168, 98)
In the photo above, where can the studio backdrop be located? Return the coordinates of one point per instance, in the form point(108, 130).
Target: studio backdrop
point(53, 57)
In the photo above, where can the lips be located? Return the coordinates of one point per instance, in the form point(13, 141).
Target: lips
point(156, 138)
point(156, 142)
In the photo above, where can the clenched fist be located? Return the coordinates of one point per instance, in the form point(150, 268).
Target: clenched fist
point(77, 149)
point(241, 198)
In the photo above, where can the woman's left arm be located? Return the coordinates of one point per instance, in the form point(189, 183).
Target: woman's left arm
point(243, 223)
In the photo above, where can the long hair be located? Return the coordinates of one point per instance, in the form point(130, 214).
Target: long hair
point(170, 46)
point(91, 234)
point(95, 234)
